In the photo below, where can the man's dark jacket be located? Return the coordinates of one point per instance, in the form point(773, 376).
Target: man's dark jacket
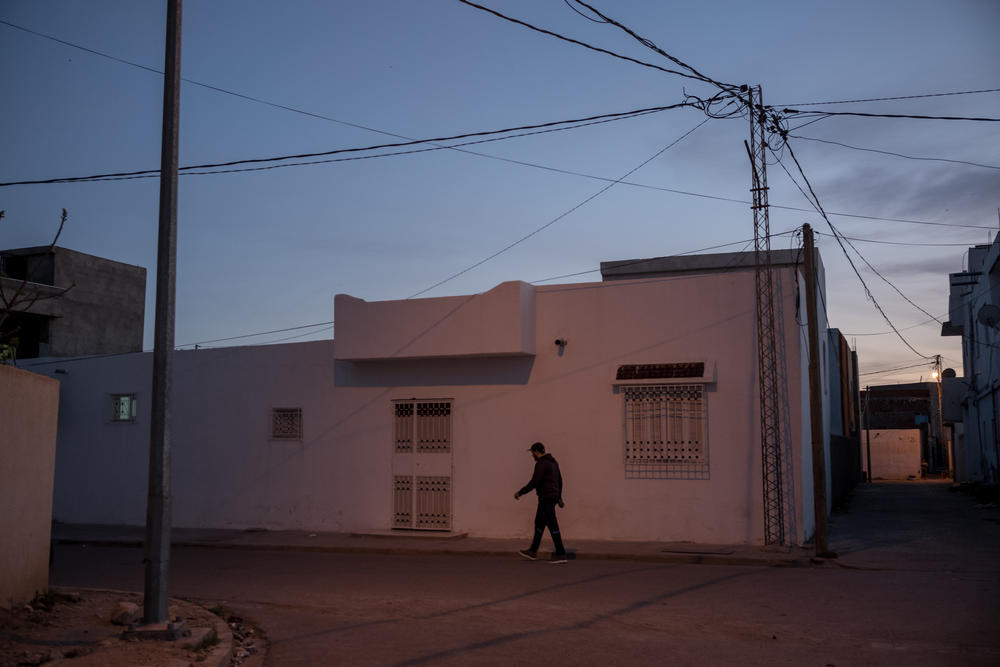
point(546, 480)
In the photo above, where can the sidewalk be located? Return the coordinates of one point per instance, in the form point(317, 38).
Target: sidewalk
point(889, 525)
point(429, 543)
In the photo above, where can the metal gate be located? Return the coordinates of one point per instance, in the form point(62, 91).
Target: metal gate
point(421, 464)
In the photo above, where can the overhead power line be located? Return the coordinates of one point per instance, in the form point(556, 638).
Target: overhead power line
point(355, 158)
point(908, 157)
point(589, 18)
point(887, 115)
point(561, 215)
point(338, 151)
point(653, 47)
point(898, 97)
point(302, 335)
point(886, 333)
point(743, 242)
point(202, 84)
point(578, 42)
point(893, 370)
point(814, 200)
point(904, 243)
point(887, 281)
point(259, 333)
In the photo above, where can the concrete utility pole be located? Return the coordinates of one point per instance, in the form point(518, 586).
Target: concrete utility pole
point(815, 395)
point(158, 505)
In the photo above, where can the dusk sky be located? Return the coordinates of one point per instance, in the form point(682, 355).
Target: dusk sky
point(267, 250)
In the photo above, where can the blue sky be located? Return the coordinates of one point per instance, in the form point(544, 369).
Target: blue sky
point(267, 250)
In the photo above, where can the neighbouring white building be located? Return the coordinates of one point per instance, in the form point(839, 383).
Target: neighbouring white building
point(420, 414)
point(974, 314)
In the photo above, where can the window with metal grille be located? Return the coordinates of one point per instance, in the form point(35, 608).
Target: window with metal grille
point(665, 432)
point(286, 424)
point(123, 407)
point(422, 426)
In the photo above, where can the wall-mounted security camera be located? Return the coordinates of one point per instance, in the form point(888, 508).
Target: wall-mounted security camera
point(561, 342)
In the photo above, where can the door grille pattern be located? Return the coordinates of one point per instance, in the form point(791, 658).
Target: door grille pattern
point(433, 427)
point(402, 427)
point(665, 432)
point(433, 503)
point(402, 501)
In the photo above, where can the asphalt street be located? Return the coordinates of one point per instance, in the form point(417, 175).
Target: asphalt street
point(391, 609)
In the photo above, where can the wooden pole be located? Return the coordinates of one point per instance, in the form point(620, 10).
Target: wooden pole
point(815, 398)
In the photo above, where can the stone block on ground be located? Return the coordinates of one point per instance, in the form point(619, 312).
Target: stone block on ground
point(125, 613)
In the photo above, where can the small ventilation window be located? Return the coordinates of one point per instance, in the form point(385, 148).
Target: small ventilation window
point(286, 424)
point(123, 407)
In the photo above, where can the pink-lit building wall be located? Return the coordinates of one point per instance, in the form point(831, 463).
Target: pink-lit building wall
point(493, 358)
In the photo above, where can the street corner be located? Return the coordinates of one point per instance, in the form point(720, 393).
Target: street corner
point(98, 627)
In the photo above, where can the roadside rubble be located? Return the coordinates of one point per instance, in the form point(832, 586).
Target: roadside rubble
point(63, 624)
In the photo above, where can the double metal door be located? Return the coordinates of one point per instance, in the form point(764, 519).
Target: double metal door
point(422, 464)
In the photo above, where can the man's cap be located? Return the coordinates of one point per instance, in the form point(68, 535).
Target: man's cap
point(537, 447)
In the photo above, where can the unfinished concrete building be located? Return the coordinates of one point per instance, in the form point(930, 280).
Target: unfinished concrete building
point(69, 303)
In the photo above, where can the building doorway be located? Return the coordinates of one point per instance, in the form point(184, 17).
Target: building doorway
point(422, 464)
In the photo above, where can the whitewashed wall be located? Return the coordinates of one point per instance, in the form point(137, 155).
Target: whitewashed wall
point(895, 453)
point(228, 473)
point(567, 400)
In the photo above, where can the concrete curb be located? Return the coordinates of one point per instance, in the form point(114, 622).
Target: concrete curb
point(222, 654)
point(781, 560)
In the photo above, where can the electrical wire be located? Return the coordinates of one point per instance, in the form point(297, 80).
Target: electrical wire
point(338, 151)
point(589, 18)
point(892, 370)
point(886, 333)
point(908, 157)
point(650, 45)
point(247, 97)
point(193, 82)
point(903, 243)
point(578, 42)
point(899, 97)
point(642, 261)
point(838, 236)
point(303, 335)
point(886, 367)
point(259, 333)
point(814, 200)
point(435, 147)
point(887, 281)
point(561, 215)
point(887, 115)
point(154, 173)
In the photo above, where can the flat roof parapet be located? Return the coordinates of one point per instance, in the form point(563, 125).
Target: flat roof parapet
point(629, 269)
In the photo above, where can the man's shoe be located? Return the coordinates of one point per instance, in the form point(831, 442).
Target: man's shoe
point(558, 559)
point(530, 555)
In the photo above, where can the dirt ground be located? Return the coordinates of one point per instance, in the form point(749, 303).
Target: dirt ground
point(73, 627)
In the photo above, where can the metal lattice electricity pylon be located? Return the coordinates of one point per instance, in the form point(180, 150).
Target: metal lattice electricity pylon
point(767, 349)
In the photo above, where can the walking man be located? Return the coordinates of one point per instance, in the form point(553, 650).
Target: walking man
point(547, 483)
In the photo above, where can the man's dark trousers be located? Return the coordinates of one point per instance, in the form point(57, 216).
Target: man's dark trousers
point(545, 517)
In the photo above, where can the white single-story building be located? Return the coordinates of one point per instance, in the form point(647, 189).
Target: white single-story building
point(420, 414)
